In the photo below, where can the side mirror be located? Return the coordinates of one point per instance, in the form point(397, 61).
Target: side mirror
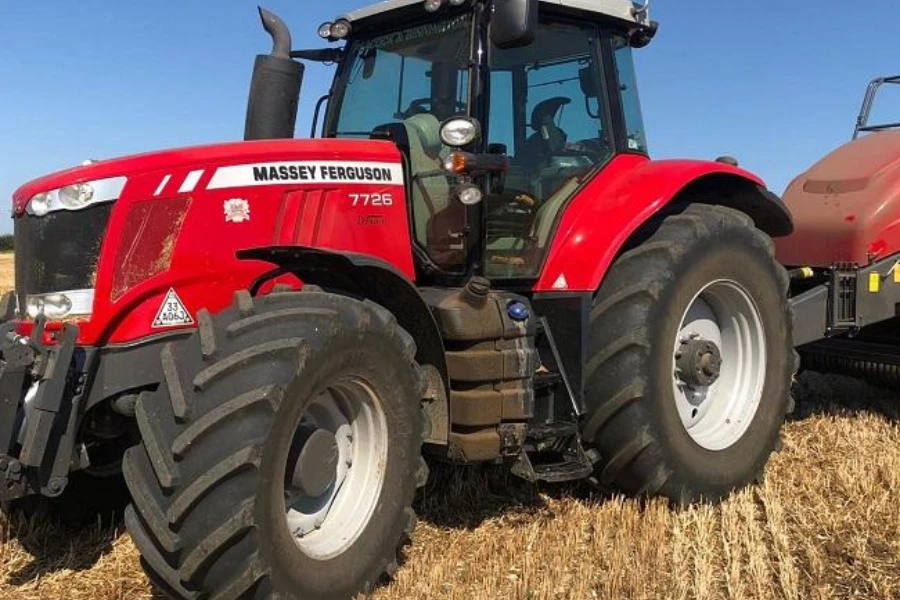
point(514, 23)
point(369, 57)
point(588, 83)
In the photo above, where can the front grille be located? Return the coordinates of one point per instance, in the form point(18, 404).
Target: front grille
point(59, 251)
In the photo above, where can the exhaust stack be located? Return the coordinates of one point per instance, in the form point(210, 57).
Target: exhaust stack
point(275, 86)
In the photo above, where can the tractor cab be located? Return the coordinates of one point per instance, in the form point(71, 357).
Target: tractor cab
point(503, 115)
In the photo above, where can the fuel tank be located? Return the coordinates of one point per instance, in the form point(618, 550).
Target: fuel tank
point(846, 207)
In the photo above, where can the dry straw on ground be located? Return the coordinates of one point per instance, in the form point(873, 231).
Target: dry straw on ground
point(825, 523)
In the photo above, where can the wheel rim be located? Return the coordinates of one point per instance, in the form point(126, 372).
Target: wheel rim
point(719, 365)
point(335, 469)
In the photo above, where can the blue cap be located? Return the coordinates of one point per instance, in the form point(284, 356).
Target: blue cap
point(518, 311)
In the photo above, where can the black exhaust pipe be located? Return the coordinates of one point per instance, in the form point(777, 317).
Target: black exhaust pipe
point(275, 87)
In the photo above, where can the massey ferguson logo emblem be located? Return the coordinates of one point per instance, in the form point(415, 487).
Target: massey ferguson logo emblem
point(311, 173)
point(237, 210)
point(340, 173)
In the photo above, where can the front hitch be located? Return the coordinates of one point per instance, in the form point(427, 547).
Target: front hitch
point(38, 409)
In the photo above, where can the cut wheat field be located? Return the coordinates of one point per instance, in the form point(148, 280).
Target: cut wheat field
point(824, 523)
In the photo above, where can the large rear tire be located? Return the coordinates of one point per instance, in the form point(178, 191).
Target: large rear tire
point(691, 359)
point(281, 455)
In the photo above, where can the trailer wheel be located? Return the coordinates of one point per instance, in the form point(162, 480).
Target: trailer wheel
point(691, 359)
point(281, 455)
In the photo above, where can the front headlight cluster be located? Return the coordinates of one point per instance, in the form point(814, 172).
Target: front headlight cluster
point(76, 196)
point(59, 305)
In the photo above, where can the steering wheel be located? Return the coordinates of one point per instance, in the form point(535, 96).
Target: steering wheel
point(418, 105)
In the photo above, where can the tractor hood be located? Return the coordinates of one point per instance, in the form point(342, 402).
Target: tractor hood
point(204, 159)
point(847, 206)
point(142, 230)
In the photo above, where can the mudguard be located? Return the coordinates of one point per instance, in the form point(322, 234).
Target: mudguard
point(363, 276)
point(629, 192)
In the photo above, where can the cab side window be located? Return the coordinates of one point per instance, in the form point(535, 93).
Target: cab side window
point(631, 103)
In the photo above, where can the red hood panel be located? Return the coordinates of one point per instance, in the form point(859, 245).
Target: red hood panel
point(209, 156)
point(847, 206)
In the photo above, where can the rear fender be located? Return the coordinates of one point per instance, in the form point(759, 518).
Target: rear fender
point(609, 212)
point(366, 277)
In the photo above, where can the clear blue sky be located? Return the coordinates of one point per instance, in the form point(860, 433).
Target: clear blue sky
point(776, 83)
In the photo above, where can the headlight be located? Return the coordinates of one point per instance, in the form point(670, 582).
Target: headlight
point(460, 131)
point(469, 194)
point(325, 30)
point(433, 5)
point(52, 306)
point(60, 304)
point(76, 196)
point(39, 205)
point(340, 29)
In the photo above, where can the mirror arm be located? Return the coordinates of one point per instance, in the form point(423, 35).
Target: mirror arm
point(323, 55)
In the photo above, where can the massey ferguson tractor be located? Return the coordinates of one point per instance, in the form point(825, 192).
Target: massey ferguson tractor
point(475, 260)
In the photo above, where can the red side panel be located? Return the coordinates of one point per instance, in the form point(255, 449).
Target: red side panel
point(598, 221)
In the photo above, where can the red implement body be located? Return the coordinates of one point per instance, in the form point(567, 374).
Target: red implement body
point(846, 207)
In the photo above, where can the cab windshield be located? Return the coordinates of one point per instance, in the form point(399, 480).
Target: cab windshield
point(415, 79)
point(548, 109)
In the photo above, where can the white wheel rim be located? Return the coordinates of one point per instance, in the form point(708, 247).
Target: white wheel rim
point(716, 416)
point(325, 526)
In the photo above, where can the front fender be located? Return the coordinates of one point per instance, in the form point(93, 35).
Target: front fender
point(367, 277)
point(629, 192)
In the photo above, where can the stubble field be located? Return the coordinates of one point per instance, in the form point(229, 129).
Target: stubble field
point(824, 523)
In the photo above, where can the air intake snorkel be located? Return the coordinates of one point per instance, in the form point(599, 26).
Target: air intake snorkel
point(275, 86)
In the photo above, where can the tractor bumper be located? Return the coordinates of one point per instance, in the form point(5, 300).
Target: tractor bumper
point(40, 390)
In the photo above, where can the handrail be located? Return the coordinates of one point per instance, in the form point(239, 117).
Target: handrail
point(862, 121)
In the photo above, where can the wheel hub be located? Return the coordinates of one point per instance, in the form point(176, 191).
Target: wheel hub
point(719, 364)
point(698, 362)
point(334, 471)
point(315, 470)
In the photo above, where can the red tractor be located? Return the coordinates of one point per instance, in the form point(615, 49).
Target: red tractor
point(476, 261)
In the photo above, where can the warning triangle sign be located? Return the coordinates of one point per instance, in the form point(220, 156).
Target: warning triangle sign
point(172, 313)
point(561, 283)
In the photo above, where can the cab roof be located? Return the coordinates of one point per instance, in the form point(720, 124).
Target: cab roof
point(617, 9)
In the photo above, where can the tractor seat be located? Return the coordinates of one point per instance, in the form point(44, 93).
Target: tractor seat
point(430, 188)
point(438, 219)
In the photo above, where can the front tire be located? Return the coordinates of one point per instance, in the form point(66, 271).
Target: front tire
point(281, 455)
point(691, 359)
